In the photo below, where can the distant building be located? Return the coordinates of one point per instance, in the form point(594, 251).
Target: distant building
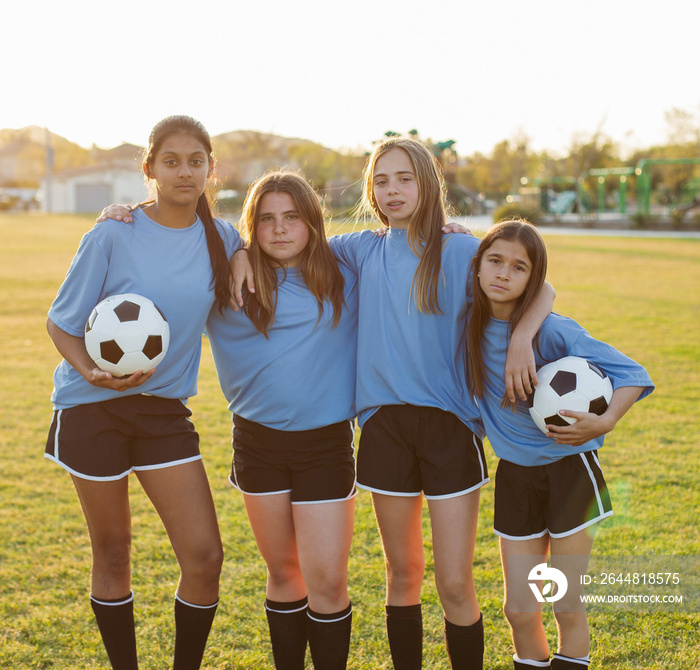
point(91, 188)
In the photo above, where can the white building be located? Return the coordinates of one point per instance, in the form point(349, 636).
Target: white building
point(91, 188)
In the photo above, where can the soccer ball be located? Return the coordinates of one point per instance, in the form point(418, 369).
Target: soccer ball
point(569, 383)
point(126, 333)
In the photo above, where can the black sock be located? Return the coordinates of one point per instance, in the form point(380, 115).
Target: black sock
point(329, 638)
point(192, 626)
point(115, 619)
point(404, 626)
point(566, 663)
point(288, 635)
point(465, 645)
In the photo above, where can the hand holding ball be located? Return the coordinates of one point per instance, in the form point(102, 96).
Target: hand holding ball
point(570, 383)
point(126, 333)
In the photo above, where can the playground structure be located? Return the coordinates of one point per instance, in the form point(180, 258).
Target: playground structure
point(577, 198)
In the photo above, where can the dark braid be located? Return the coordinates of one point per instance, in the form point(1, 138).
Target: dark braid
point(217, 253)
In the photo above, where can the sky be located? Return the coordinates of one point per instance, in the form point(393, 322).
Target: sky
point(343, 73)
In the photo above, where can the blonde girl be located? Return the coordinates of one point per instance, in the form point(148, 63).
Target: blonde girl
point(421, 433)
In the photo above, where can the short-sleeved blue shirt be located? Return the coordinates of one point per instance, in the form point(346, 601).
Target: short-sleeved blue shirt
point(170, 266)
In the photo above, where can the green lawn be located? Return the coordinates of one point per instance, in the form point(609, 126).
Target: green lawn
point(641, 295)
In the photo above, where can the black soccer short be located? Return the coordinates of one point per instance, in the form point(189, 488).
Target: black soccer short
point(559, 499)
point(407, 450)
point(314, 466)
point(108, 440)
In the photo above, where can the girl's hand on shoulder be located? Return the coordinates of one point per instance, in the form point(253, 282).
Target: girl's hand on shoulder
point(381, 231)
point(587, 427)
point(520, 371)
point(105, 380)
point(117, 212)
point(241, 274)
point(455, 227)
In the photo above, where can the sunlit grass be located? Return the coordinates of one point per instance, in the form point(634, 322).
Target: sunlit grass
point(641, 295)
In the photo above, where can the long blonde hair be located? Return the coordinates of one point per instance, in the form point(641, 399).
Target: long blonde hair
point(317, 265)
point(425, 225)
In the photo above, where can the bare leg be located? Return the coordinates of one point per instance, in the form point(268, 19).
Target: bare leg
point(106, 509)
point(571, 554)
point(183, 500)
point(323, 535)
point(401, 529)
point(518, 557)
point(400, 526)
point(454, 522)
point(273, 526)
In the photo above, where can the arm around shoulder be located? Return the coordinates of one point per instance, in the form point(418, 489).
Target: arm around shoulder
point(521, 372)
point(241, 275)
point(347, 248)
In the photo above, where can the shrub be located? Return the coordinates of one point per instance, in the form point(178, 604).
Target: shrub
point(640, 221)
point(677, 216)
point(514, 210)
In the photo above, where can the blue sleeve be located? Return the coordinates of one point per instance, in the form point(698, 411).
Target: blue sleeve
point(467, 246)
point(346, 248)
point(560, 337)
point(231, 237)
point(81, 289)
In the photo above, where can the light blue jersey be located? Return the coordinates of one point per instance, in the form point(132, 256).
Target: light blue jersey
point(171, 266)
point(408, 357)
point(302, 376)
point(514, 435)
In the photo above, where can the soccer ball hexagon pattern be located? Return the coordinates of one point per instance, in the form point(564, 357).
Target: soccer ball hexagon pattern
point(569, 383)
point(126, 333)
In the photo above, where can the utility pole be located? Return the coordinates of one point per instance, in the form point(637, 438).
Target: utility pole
point(49, 167)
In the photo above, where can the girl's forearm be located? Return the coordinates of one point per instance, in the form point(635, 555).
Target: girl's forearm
point(622, 400)
point(71, 348)
point(533, 319)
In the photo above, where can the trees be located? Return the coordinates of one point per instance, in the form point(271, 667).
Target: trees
point(498, 174)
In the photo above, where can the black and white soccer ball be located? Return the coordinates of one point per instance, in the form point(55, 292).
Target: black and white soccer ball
point(126, 333)
point(569, 383)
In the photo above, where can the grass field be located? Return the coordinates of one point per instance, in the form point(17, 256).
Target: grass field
point(641, 295)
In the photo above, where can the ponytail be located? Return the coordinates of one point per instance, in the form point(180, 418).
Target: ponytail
point(221, 270)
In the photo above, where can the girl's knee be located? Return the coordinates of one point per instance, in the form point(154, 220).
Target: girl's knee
point(112, 555)
point(408, 569)
point(571, 620)
point(332, 584)
point(281, 572)
point(405, 585)
point(520, 620)
point(455, 589)
point(213, 560)
point(204, 562)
